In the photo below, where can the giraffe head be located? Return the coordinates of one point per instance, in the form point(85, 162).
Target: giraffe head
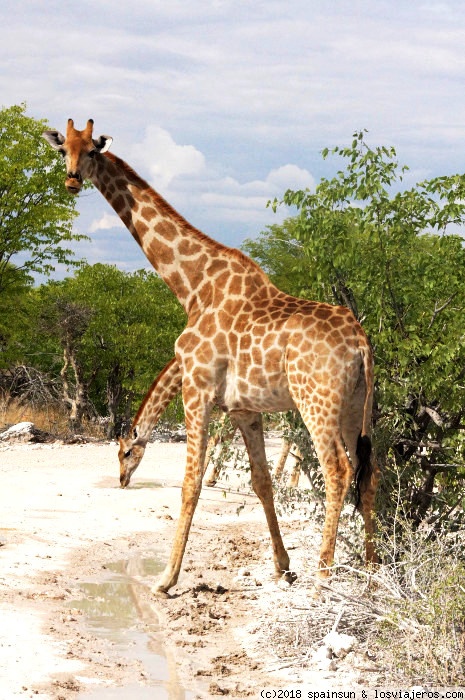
point(131, 451)
point(79, 150)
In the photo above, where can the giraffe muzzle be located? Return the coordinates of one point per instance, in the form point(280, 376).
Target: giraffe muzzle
point(124, 480)
point(73, 183)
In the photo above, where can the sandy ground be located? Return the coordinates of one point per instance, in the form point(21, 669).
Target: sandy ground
point(66, 525)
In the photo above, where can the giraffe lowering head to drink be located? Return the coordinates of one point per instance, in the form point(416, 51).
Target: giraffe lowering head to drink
point(165, 387)
point(248, 348)
point(131, 448)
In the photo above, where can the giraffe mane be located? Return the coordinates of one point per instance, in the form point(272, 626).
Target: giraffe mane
point(171, 212)
point(146, 400)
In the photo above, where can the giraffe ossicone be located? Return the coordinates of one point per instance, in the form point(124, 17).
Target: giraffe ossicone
point(249, 348)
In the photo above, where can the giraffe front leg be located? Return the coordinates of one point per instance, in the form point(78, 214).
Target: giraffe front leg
point(197, 417)
point(283, 455)
point(251, 426)
point(214, 472)
point(295, 472)
point(132, 448)
point(190, 496)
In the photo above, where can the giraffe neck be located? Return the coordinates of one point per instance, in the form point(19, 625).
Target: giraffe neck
point(144, 420)
point(186, 259)
point(166, 385)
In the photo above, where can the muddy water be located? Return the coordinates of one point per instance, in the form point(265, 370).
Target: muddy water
point(115, 609)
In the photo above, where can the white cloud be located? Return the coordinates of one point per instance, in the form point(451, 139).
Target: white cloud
point(290, 177)
point(106, 221)
point(223, 105)
point(195, 187)
point(247, 202)
point(164, 159)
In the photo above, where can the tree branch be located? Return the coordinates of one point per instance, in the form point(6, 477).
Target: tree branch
point(438, 309)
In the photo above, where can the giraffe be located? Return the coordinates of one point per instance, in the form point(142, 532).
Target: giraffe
point(163, 389)
point(132, 447)
point(292, 450)
point(248, 348)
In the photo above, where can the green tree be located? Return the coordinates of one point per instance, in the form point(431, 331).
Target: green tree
point(16, 310)
point(277, 250)
point(115, 331)
point(395, 257)
point(36, 212)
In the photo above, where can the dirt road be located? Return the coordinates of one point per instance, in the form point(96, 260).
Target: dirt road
point(78, 556)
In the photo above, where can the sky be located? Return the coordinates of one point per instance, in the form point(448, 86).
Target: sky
point(223, 105)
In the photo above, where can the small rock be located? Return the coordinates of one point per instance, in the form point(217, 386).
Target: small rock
point(323, 660)
point(339, 644)
point(24, 432)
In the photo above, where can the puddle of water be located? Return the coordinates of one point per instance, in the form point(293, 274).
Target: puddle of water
point(109, 609)
point(110, 482)
point(116, 610)
point(145, 485)
point(137, 566)
point(131, 692)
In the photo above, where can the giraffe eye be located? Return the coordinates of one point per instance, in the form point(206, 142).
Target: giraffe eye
point(127, 454)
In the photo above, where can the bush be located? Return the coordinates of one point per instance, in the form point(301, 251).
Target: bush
point(408, 616)
point(422, 630)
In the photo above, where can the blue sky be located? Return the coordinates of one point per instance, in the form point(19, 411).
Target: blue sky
point(223, 105)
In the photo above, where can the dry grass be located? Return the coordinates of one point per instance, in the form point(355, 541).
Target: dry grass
point(422, 630)
point(408, 615)
point(51, 418)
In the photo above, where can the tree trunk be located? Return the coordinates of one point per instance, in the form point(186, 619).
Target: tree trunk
point(114, 396)
point(77, 399)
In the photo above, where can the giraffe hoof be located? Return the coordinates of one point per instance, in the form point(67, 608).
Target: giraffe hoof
point(160, 592)
point(289, 577)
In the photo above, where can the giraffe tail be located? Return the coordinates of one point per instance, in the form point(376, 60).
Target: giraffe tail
point(364, 469)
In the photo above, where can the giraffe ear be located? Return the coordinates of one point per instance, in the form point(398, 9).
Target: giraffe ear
point(103, 143)
point(54, 138)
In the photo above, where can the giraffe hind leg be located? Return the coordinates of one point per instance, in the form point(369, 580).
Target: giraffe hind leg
point(366, 477)
point(323, 427)
point(338, 473)
point(363, 468)
point(251, 427)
